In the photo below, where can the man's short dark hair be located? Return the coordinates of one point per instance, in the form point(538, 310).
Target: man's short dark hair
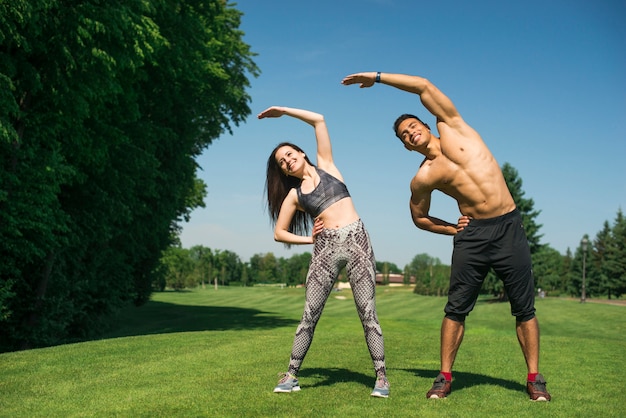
point(404, 117)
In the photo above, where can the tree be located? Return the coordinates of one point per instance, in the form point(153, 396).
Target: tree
point(582, 257)
point(599, 262)
point(103, 108)
point(203, 260)
point(391, 267)
point(228, 265)
point(179, 267)
point(264, 268)
point(616, 256)
point(547, 270)
point(608, 258)
point(431, 276)
point(244, 276)
point(525, 206)
point(566, 271)
point(293, 271)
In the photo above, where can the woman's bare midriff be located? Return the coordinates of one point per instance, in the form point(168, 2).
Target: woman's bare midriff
point(339, 214)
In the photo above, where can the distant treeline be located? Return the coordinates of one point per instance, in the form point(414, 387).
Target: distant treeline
point(555, 274)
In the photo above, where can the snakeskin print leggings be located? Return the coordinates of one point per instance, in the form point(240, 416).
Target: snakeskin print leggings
point(335, 248)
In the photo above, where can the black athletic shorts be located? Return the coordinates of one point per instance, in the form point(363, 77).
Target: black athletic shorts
point(500, 243)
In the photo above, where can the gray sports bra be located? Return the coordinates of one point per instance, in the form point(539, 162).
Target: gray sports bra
point(328, 191)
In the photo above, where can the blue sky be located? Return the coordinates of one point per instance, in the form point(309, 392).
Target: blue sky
point(543, 82)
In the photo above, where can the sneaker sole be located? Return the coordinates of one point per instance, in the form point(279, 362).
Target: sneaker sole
point(293, 389)
point(379, 395)
point(540, 399)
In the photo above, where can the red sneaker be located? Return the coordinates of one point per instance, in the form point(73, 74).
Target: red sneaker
point(537, 389)
point(441, 388)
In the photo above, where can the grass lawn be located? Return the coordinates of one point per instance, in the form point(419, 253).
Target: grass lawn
point(208, 353)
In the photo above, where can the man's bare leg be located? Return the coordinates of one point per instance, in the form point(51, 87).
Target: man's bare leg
point(451, 337)
point(528, 337)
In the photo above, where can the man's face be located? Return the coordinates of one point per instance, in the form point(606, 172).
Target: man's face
point(413, 133)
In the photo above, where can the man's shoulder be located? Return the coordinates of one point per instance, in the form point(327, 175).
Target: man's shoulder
point(457, 131)
point(424, 176)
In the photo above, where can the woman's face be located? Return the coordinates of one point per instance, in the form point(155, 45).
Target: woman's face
point(289, 160)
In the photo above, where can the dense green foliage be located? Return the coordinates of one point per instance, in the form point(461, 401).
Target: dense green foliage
point(605, 262)
point(526, 207)
point(103, 108)
point(200, 266)
point(208, 353)
point(432, 277)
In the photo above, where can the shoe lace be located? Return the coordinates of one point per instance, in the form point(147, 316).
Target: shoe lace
point(539, 385)
point(382, 382)
point(285, 377)
point(439, 382)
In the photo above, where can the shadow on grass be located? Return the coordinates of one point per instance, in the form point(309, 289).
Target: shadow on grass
point(462, 380)
point(160, 318)
point(330, 376)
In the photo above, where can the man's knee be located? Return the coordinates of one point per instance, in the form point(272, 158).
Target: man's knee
point(455, 317)
point(525, 317)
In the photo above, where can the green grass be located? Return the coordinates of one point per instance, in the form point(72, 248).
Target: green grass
point(212, 353)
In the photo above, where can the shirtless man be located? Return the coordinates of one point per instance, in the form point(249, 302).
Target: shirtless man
point(489, 232)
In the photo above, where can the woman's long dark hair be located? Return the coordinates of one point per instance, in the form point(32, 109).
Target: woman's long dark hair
point(277, 186)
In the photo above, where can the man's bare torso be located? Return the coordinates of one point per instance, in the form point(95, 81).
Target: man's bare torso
point(466, 171)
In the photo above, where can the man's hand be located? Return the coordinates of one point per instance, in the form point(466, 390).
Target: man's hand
point(463, 222)
point(318, 226)
point(365, 79)
point(272, 112)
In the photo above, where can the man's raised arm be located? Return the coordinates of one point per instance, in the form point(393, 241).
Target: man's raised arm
point(431, 97)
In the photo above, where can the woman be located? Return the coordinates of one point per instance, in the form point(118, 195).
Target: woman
point(299, 192)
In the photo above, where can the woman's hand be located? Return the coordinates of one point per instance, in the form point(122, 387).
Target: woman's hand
point(272, 112)
point(318, 226)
